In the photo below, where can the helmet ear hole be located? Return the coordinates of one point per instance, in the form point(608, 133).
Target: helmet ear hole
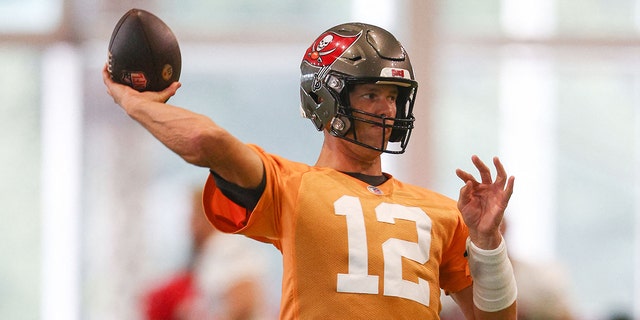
point(315, 97)
point(340, 125)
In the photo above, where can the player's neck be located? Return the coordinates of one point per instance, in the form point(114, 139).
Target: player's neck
point(347, 157)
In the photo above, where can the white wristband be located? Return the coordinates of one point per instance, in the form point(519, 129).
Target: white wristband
point(494, 285)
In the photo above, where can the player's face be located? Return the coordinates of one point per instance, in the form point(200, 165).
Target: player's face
point(375, 101)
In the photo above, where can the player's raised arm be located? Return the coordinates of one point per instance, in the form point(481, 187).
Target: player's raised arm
point(482, 204)
point(142, 73)
point(194, 137)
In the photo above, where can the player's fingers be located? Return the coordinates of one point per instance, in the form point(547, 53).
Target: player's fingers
point(501, 176)
point(105, 74)
point(465, 176)
point(106, 78)
point(509, 189)
point(464, 191)
point(485, 173)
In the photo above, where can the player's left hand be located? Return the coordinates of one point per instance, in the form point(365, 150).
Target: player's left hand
point(483, 203)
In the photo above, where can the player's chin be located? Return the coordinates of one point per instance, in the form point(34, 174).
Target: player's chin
point(375, 145)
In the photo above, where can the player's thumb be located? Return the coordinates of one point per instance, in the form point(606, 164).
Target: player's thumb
point(170, 91)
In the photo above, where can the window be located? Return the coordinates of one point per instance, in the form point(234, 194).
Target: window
point(29, 16)
point(551, 87)
point(20, 247)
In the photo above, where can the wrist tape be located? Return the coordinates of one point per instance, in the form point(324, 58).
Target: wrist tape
point(494, 285)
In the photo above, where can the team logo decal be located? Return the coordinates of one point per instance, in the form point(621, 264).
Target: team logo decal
point(136, 79)
point(317, 78)
point(328, 47)
point(375, 190)
point(395, 73)
point(167, 72)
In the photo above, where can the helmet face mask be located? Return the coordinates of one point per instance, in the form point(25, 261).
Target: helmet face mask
point(351, 54)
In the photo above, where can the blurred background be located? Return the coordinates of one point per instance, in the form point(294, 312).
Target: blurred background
point(93, 210)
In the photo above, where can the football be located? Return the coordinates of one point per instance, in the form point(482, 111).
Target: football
point(143, 52)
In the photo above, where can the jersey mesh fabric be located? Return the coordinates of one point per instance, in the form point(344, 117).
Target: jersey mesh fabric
point(351, 251)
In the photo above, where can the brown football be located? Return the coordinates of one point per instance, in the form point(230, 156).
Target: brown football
point(143, 52)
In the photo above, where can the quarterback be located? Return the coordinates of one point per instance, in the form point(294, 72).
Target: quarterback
point(356, 242)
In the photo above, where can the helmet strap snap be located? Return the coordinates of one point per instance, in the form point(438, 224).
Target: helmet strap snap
point(340, 125)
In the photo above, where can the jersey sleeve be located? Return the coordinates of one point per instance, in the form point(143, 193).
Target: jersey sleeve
point(454, 270)
point(262, 223)
point(222, 212)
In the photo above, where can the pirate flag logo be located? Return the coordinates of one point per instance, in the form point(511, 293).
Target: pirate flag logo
point(328, 47)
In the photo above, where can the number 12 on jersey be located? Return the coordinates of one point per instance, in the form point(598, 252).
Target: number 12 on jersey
point(358, 280)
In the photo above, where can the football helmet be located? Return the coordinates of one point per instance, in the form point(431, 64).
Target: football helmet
point(351, 54)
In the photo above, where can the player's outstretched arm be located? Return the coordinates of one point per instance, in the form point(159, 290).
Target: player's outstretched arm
point(194, 137)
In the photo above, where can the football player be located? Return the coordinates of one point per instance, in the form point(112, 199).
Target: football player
point(356, 242)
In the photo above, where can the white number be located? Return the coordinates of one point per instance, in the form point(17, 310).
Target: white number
point(358, 280)
point(395, 249)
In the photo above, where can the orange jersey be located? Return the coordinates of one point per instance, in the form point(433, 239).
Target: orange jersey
point(350, 250)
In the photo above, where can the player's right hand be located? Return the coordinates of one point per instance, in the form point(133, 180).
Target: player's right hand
point(123, 94)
